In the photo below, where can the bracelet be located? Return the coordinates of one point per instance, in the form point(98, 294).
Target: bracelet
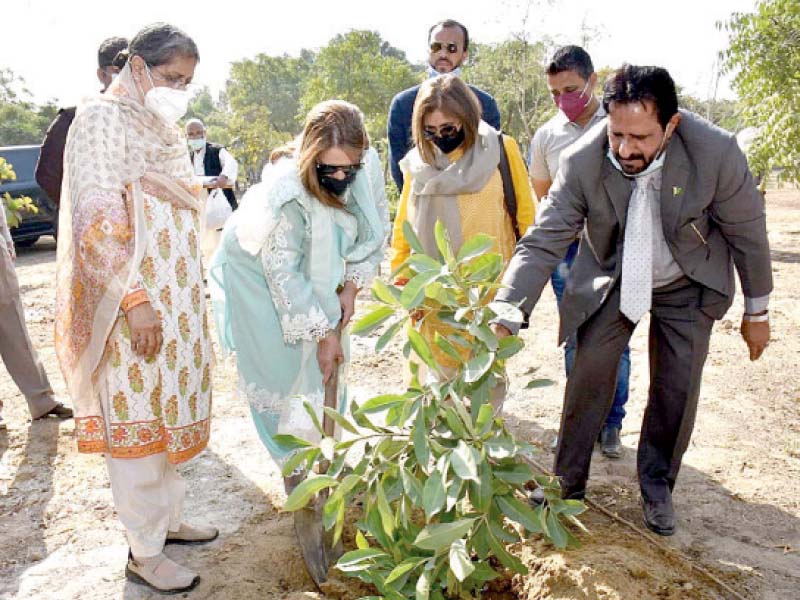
point(756, 318)
point(134, 299)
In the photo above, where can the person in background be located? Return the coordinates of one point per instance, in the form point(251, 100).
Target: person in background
point(668, 208)
point(131, 329)
point(571, 80)
point(448, 43)
point(460, 172)
point(212, 160)
point(16, 348)
point(50, 168)
point(219, 171)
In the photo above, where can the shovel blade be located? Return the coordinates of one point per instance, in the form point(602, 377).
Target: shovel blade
point(311, 536)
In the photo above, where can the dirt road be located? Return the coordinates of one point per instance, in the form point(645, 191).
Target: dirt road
point(737, 495)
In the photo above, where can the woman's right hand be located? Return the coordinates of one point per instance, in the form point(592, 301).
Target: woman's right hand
point(329, 355)
point(146, 337)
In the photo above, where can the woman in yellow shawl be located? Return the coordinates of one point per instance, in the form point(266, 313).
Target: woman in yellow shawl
point(460, 172)
point(131, 331)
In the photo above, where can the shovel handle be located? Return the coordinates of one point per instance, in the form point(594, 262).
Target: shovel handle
point(331, 400)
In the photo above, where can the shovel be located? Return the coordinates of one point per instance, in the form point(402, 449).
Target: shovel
point(316, 543)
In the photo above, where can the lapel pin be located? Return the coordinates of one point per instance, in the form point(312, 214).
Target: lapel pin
point(676, 191)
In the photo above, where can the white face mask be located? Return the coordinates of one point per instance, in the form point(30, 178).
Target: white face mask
point(197, 144)
point(654, 165)
point(170, 104)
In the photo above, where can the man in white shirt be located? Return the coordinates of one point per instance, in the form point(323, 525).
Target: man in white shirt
point(218, 169)
point(16, 349)
point(212, 160)
point(572, 80)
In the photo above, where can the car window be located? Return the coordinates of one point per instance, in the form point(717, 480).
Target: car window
point(22, 159)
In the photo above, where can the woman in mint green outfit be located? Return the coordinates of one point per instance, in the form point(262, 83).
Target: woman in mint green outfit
point(290, 264)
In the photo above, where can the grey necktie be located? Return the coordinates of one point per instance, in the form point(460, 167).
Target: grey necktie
point(637, 252)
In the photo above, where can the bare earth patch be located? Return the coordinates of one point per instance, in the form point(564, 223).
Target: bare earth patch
point(737, 494)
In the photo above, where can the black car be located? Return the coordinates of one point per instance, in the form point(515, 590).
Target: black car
point(45, 222)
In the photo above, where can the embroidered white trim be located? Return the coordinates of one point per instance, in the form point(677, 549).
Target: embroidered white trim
point(261, 400)
point(297, 421)
point(273, 256)
point(311, 326)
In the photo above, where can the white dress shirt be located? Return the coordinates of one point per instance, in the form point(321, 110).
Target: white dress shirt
point(230, 168)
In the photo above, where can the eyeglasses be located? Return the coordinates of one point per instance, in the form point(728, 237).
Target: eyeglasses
point(347, 170)
point(445, 131)
point(450, 47)
point(176, 83)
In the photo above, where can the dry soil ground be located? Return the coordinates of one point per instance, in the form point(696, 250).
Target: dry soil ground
point(737, 495)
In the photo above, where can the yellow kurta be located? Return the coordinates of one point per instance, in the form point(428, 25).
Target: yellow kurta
point(481, 212)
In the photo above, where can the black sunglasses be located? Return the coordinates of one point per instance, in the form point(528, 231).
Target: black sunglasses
point(451, 47)
point(445, 131)
point(329, 170)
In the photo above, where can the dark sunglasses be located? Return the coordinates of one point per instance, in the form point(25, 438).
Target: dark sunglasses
point(451, 47)
point(329, 170)
point(445, 131)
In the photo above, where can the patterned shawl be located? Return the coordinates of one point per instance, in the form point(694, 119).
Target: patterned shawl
point(116, 151)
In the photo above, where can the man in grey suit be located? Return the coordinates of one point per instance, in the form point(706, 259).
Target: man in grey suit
point(668, 208)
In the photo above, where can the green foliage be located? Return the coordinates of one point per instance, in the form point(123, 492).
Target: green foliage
point(214, 116)
point(267, 97)
point(272, 81)
point(359, 67)
point(513, 72)
point(14, 206)
point(21, 120)
point(263, 102)
point(441, 478)
point(724, 113)
point(764, 54)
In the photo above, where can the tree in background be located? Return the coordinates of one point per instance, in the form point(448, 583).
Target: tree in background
point(21, 120)
point(764, 54)
point(361, 68)
point(723, 113)
point(513, 72)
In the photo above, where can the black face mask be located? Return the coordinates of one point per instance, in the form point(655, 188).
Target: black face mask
point(448, 144)
point(337, 187)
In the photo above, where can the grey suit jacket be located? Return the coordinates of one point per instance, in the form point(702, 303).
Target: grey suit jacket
point(713, 219)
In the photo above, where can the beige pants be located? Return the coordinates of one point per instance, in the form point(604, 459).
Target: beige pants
point(148, 495)
point(16, 349)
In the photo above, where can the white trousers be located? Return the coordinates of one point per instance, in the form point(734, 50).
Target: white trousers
point(148, 495)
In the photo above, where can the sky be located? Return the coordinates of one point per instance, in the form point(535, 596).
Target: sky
point(53, 44)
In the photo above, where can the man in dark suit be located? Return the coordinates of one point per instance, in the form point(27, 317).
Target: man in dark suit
point(449, 47)
point(668, 208)
point(50, 168)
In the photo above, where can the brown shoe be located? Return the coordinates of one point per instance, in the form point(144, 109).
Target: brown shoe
point(161, 574)
point(189, 535)
point(59, 411)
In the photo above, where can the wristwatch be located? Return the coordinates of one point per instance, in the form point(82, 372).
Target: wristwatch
point(761, 317)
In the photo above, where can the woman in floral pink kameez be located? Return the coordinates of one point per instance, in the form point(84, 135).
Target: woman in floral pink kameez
point(131, 328)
